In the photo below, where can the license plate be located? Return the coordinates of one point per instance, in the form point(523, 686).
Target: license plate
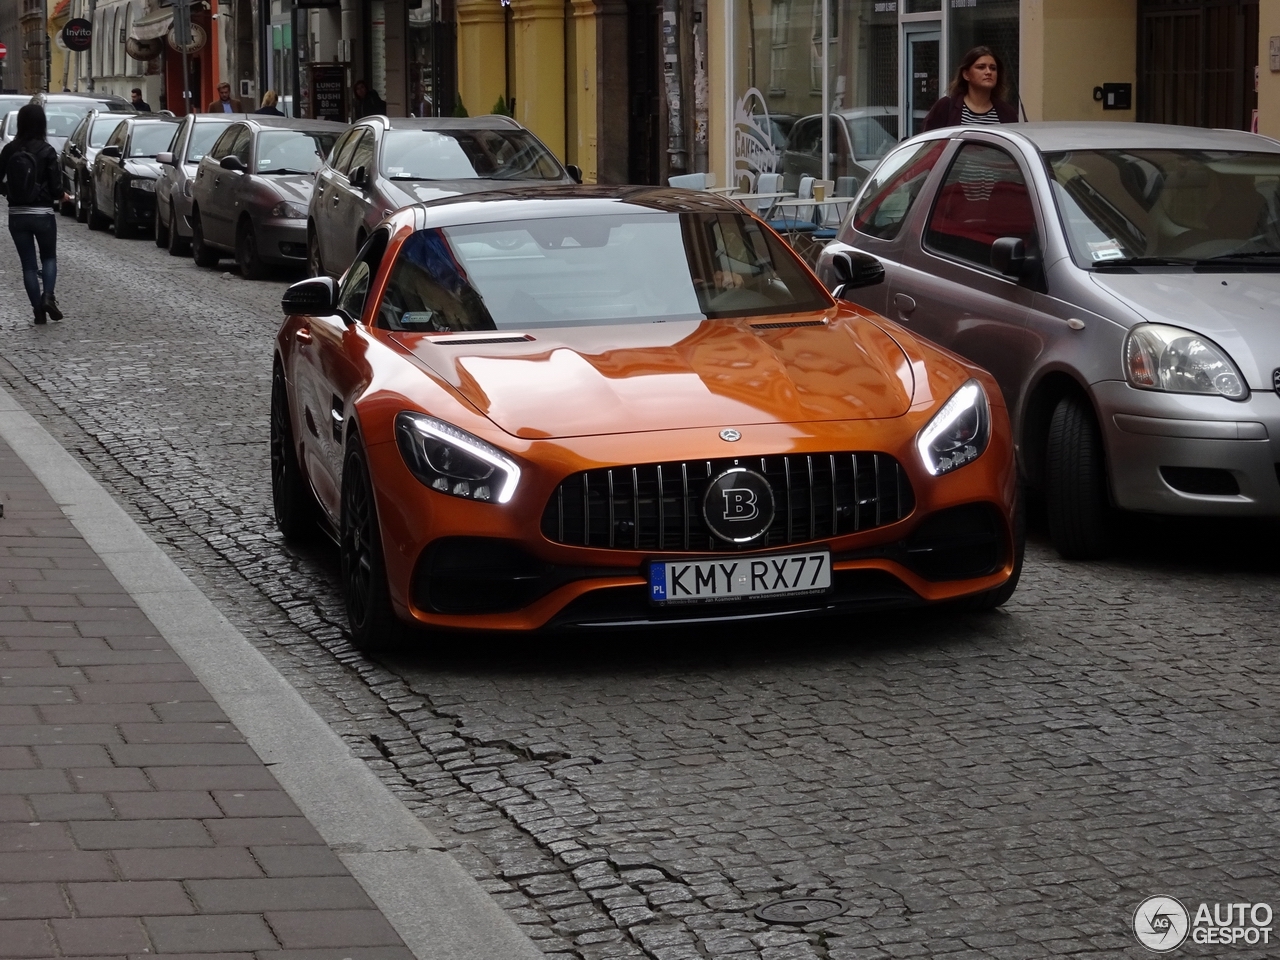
point(739, 578)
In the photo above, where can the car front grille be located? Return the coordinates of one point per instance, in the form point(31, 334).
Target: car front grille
point(658, 506)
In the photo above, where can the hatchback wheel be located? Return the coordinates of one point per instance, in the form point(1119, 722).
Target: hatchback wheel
point(159, 232)
point(374, 625)
point(291, 497)
point(1080, 512)
point(204, 255)
point(251, 265)
point(178, 245)
point(120, 226)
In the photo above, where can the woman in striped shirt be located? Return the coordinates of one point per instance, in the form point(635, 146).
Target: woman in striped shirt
point(975, 95)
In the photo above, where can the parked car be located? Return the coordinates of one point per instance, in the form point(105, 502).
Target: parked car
point(13, 101)
point(555, 406)
point(177, 177)
point(64, 111)
point(381, 165)
point(77, 156)
point(9, 130)
point(252, 189)
point(125, 172)
point(1120, 282)
point(858, 139)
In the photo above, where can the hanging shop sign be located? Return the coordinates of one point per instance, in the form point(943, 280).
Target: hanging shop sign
point(198, 39)
point(78, 34)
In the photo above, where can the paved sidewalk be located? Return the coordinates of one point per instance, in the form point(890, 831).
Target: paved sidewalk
point(134, 818)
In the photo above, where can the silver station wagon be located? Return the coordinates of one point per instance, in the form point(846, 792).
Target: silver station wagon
point(1122, 283)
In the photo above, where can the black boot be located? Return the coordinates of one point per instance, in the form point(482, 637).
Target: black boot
point(40, 316)
point(51, 307)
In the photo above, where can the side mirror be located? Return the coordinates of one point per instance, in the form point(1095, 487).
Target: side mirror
point(359, 177)
point(111, 151)
point(231, 162)
point(1009, 257)
point(165, 158)
point(575, 171)
point(317, 297)
point(854, 270)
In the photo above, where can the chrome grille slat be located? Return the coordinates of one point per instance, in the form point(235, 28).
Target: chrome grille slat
point(867, 490)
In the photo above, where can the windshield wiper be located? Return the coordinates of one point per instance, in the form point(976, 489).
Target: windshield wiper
point(1145, 262)
point(1250, 255)
point(305, 173)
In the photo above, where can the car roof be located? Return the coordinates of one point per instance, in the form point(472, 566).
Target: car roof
point(217, 117)
point(488, 122)
point(1052, 137)
point(267, 122)
point(570, 200)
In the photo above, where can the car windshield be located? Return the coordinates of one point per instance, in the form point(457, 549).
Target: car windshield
point(63, 117)
point(872, 137)
point(467, 155)
point(619, 268)
point(151, 138)
point(293, 151)
point(1167, 205)
point(13, 103)
point(103, 128)
point(202, 137)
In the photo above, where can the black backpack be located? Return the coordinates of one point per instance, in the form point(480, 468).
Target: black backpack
point(23, 179)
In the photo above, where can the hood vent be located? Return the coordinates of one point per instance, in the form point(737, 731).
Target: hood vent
point(788, 323)
point(475, 341)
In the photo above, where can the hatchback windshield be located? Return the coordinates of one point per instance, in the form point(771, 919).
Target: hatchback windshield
point(103, 128)
point(202, 137)
point(466, 155)
point(1179, 205)
point(621, 268)
point(151, 138)
point(293, 151)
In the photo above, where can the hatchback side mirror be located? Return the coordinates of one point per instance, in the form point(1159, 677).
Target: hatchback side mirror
point(231, 162)
point(855, 269)
point(165, 158)
point(1009, 257)
point(574, 171)
point(317, 297)
point(110, 151)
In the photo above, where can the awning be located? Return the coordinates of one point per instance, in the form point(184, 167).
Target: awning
point(152, 26)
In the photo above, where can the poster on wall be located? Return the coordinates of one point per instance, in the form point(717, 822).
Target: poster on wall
point(328, 92)
point(754, 150)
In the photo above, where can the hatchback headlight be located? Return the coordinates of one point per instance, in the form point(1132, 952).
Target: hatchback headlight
point(289, 211)
point(958, 433)
point(1161, 357)
point(452, 461)
point(146, 186)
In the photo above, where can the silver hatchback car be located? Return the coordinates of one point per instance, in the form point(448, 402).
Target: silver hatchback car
point(1122, 283)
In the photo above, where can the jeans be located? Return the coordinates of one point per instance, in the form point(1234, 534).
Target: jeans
point(30, 230)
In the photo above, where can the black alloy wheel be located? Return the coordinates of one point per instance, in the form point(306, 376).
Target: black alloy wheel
point(373, 622)
point(179, 246)
point(120, 226)
point(159, 232)
point(201, 252)
point(96, 219)
point(82, 208)
point(1081, 518)
point(251, 265)
point(315, 265)
point(291, 496)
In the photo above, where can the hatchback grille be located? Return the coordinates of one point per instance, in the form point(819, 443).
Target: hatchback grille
point(658, 506)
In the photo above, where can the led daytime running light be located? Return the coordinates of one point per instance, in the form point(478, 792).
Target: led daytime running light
point(967, 398)
point(439, 430)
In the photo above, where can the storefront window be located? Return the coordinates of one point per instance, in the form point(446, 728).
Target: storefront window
point(987, 23)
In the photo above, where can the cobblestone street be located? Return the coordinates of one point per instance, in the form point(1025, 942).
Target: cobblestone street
point(1005, 785)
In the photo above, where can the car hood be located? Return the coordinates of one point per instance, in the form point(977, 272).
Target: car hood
point(584, 381)
point(142, 167)
point(1238, 311)
point(297, 187)
point(401, 193)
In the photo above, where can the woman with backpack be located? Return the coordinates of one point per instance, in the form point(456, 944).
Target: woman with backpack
point(32, 183)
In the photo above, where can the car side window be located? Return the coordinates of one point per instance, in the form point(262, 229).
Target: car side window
point(807, 137)
point(355, 285)
point(222, 146)
point(983, 198)
point(118, 135)
point(342, 152)
point(892, 190)
point(243, 141)
point(362, 155)
point(179, 148)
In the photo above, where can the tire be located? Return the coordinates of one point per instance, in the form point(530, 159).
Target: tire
point(82, 207)
point(373, 623)
point(159, 232)
point(1076, 497)
point(179, 246)
point(251, 265)
point(201, 252)
point(996, 598)
point(315, 264)
point(121, 229)
point(95, 219)
point(291, 497)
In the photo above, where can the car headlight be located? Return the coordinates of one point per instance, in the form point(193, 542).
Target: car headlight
point(1160, 357)
point(452, 461)
point(958, 433)
point(289, 211)
point(146, 186)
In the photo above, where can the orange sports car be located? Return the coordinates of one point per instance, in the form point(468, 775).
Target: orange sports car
point(569, 406)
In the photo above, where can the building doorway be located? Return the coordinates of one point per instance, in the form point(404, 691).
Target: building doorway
point(643, 94)
point(1196, 62)
point(922, 80)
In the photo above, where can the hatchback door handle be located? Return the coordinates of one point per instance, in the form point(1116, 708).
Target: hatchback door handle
point(904, 303)
point(303, 335)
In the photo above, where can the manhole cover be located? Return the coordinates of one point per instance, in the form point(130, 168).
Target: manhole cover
point(800, 910)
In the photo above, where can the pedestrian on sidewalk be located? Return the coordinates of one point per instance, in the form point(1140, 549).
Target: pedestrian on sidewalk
point(269, 101)
point(32, 183)
point(975, 95)
point(135, 97)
